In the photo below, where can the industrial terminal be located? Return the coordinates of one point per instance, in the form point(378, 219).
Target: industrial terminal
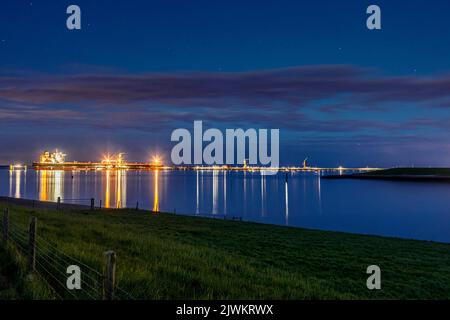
point(57, 161)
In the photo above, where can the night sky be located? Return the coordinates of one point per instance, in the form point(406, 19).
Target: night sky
point(339, 93)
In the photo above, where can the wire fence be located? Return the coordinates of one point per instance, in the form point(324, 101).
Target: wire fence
point(76, 202)
point(57, 203)
point(86, 202)
point(68, 277)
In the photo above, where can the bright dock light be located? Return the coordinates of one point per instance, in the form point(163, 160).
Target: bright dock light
point(156, 160)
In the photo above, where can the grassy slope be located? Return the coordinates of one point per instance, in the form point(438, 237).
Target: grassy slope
point(174, 257)
point(10, 281)
point(14, 283)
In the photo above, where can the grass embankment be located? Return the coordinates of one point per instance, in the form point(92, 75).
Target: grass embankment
point(14, 281)
point(406, 174)
point(443, 172)
point(163, 256)
point(11, 282)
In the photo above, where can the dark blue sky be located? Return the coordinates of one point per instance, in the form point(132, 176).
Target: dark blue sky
point(137, 70)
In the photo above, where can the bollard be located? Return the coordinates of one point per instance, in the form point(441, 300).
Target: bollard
point(5, 225)
point(109, 275)
point(92, 203)
point(32, 246)
point(58, 203)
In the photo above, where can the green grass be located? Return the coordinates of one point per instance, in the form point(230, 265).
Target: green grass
point(10, 277)
point(14, 281)
point(166, 256)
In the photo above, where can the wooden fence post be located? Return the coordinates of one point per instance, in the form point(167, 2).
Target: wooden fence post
point(32, 246)
point(92, 203)
point(109, 275)
point(5, 225)
point(58, 203)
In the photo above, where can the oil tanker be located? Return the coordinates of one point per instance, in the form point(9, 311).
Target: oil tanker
point(57, 161)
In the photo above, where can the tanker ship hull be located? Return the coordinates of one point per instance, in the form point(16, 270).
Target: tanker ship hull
point(94, 166)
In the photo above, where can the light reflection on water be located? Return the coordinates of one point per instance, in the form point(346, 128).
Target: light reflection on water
point(300, 199)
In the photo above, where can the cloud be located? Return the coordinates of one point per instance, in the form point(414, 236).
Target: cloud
point(297, 98)
point(290, 87)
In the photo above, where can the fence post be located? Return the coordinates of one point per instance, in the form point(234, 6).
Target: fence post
point(5, 225)
point(92, 203)
point(109, 275)
point(32, 246)
point(100, 203)
point(137, 205)
point(58, 203)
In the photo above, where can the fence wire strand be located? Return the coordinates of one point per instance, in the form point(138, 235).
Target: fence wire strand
point(51, 265)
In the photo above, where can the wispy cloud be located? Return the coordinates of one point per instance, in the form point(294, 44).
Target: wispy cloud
point(292, 86)
point(299, 98)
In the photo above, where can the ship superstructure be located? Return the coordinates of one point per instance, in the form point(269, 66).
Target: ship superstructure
point(52, 157)
point(57, 161)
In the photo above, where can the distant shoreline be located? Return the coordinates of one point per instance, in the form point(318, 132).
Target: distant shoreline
point(400, 174)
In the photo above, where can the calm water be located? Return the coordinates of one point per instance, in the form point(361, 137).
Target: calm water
point(401, 209)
